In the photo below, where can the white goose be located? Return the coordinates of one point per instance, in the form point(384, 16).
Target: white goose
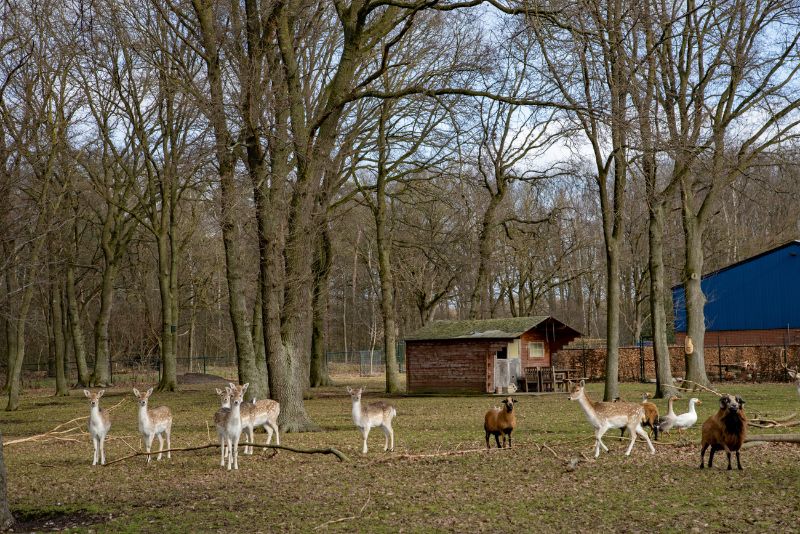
point(688, 419)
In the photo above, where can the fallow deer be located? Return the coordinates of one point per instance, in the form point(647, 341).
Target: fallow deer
point(375, 414)
point(219, 420)
point(152, 423)
point(232, 423)
point(606, 415)
point(99, 425)
point(263, 413)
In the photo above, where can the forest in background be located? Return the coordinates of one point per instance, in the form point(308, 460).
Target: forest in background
point(276, 179)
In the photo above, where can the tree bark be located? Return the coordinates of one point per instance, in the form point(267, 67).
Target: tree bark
point(101, 374)
point(58, 340)
point(322, 267)
point(693, 296)
point(665, 387)
point(78, 342)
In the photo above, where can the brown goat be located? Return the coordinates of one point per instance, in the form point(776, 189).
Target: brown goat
point(500, 421)
point(650, 415)
point(725, 430)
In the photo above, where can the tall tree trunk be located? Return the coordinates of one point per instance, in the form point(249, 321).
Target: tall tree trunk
point(384, 245)
point(322, 267)
point(78, 341)
point(169, 378)
point(612, 321)
point(58, 340)
point(258, 340)
point(101, 376)
point(693, 296)
point(231, 238)
point(6, 519)
point(665, 386)
point(480, 293)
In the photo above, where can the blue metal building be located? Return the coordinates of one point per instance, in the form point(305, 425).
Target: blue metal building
point(761, 293)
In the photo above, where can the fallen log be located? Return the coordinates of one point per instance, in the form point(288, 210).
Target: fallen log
point(756, 440)
point(330, 450)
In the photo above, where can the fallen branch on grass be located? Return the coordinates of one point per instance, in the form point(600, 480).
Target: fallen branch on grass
point(701, 386)
point(348, 518)
point(772, 423)
point(762, 439)
point(58, 432)
point(330, 450)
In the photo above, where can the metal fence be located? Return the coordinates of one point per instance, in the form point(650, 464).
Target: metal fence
point(138, 369)
point(363, 362)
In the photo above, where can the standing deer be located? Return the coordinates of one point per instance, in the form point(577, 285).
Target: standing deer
point(232, 423)
point(375, 414)
point(263, 413)
point(99, 425)
point(795, 374)
point(606, 415)
point(152, 423)
point(220, 419)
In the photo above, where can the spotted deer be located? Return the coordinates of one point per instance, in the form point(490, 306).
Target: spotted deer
point(375, 414)
point(232, 423)
point(220, 418)
point(263, 413)
point(793, 373)
point(99, 425)
point(152, 423)
point(606, 415)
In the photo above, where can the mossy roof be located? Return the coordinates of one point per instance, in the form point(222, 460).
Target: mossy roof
point(510, 328)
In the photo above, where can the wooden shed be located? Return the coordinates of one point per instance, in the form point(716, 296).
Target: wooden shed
point(467, 356)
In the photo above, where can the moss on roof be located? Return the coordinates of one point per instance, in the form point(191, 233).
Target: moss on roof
point(509, 328)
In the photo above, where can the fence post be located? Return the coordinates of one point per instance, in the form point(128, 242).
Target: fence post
point(719, 357)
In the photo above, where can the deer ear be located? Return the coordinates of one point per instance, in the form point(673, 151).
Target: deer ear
point(244, 387)
point(149, 392)
point(219, 391)
point(349, 389)
point(86, 392)
point(136, 392)
point(100, 393)
point(583, 383)
point(232, 385)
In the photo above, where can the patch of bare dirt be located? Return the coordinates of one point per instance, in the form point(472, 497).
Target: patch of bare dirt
point(200, 378)
point(53, 520)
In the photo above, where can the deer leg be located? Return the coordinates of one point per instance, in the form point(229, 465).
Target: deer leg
point(389, 432)
point(96, 444)
point(598, 442)
point(160, 446)
point(633, 432)
point(229, 453)
point(365, 434)
point(169, 442)
point(148, 443)
point(103, 450)
point(641, 432)
point(235, 451)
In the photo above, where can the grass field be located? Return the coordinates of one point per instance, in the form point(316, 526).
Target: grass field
point(529, 488)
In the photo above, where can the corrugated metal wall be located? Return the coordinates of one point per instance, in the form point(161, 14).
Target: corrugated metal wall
point(759, 293)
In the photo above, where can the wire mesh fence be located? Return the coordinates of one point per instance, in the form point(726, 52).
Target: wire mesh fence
point(147, 368)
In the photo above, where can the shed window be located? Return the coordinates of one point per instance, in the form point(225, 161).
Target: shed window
point(536, 350)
